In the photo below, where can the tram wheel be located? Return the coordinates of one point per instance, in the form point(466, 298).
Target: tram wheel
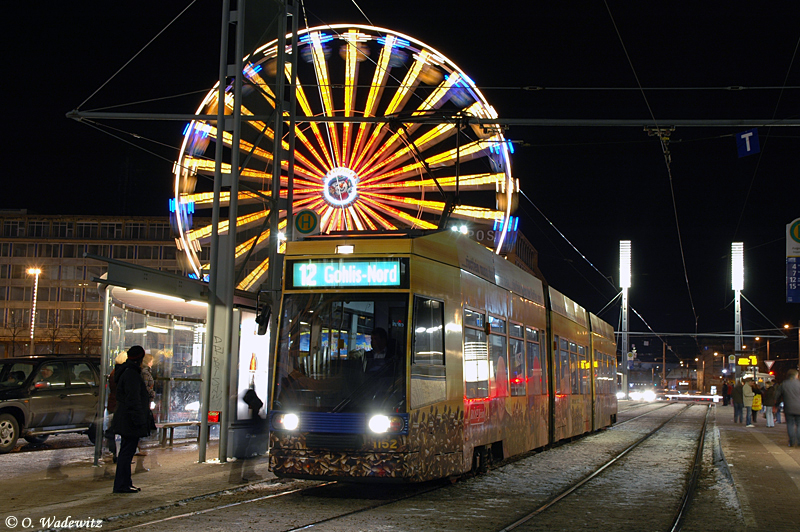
point(483, 458)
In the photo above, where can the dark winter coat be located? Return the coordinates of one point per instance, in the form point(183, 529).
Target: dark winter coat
point(112, 392)
point(737, 395)
point(789, 393)
point(132, 417)
point(769, 396)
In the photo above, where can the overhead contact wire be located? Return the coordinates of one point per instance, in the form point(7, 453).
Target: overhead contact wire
point(137, 54)
point(665, 153)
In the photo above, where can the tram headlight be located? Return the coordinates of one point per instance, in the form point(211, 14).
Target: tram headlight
point(380, 424)
point(649, 396)
point(287, 421)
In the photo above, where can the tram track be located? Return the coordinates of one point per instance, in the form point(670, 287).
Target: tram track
point(526, 522)
point(305, 505)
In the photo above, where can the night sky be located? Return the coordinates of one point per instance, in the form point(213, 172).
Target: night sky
point(560, 60)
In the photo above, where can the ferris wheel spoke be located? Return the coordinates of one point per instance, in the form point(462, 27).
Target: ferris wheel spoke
point(252, 278)
point(467, 152)
point(379, 78)
point(370, 214)
point(409, 150)
point(470, 182)
point(405, 202)
point(222, 227)
point(399, 214)
point(206, 199)
point(316, 40)
point(477, 213)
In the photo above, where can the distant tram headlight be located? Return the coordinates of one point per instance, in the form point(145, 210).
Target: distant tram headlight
point(649, 396)
point(379, 424)
point(288, 421)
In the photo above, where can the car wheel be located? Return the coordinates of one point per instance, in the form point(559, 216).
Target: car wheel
point(36, 439)
point(9, 432)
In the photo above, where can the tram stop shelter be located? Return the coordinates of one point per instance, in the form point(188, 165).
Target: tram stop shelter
point(166, 314)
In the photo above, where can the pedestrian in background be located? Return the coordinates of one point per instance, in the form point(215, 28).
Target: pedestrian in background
point(757, 401)
point(111, 406)
point(769, 403)
point(738, 402)
point(131, 419)
point(747, 399)
point(789, 393)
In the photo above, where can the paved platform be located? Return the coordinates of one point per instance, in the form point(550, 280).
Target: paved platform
point(63, 483)
point(765, 472)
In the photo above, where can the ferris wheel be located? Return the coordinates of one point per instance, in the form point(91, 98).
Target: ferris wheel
point(357, 176)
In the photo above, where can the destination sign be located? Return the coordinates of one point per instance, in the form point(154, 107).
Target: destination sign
point(327, 274)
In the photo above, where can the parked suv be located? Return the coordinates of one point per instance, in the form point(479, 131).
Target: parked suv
point(44, 395)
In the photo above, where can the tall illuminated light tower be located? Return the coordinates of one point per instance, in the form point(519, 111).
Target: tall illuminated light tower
point(737, 283)
point(625, 283)
point(35, 272)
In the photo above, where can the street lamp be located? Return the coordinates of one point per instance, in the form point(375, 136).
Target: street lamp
point(625, 283)
point(737, 284)
point(35, 272)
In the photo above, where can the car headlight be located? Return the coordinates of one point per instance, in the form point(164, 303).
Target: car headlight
point(620, 395)
point(636, 396)
point(287, 421)
point(380, 424)
point(649, 396)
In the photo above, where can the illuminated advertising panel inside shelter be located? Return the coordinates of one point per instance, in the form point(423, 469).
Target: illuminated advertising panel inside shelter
point(340, 273)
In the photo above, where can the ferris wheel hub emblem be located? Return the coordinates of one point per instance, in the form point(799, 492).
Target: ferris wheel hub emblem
point(340, 187)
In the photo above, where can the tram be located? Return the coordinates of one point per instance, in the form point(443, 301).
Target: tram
point(409, 359)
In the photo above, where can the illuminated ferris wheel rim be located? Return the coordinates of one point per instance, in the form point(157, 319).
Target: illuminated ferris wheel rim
point(346, 178)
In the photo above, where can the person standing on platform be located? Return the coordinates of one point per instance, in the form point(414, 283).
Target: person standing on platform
point(726, 393)
point(747, 399)
point(769, 403)
point(132, 418)
point(789, 393)
point(757, 401)
point(738, 402)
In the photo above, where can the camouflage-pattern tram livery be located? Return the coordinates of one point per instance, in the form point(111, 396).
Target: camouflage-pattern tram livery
point(411, 359)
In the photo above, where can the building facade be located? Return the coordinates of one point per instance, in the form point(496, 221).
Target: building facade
point(68, 306)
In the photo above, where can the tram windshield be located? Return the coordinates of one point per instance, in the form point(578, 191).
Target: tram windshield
point(342, 353)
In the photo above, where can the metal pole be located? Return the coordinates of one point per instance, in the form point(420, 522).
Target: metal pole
point(104, 359)
point(737, 312)
point(214, 258)
point(230, 252)
point(292, 123)
point(625, 341)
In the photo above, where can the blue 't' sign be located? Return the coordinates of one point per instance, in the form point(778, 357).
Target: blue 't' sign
point(747, 142)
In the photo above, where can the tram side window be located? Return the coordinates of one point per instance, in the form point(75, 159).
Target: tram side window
point(476, 355)
point(574, 367)
point(583, 369)
point(562, 366)
point(516, 359)
point(537, 372)
point(498, 371)
point(428, 332)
